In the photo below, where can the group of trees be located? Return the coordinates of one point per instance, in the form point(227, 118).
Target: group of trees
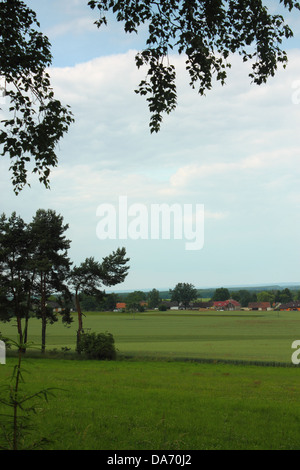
point(185, 294)
point(278, 296)
point(34, 265)
point(135, 301)
point(206, 32)
point(243, 296)
point(104, 303)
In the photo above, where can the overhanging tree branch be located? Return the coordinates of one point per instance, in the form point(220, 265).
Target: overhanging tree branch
point(34, 120)
point(206, 32)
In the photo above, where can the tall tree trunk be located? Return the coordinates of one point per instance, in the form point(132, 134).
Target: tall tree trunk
point(79, 313)
point(43, 311)
point(28, 306)
point(26, 327)
point(17, 313)
point(19, 326)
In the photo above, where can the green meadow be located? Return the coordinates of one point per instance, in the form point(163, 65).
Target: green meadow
point(182, 381)
point(236, 336)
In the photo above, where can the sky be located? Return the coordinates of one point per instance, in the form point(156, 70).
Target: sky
point(233, 153)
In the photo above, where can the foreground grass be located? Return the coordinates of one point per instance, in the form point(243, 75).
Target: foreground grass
point(164, 405)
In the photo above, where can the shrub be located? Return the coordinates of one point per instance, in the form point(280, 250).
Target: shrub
point(162, 308)
point(98, 346)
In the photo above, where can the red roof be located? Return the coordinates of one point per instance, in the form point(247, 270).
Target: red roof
point(223, 303)
point(120, 305)
point(259, 305)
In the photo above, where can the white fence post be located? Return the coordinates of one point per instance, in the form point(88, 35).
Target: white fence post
point(2, 353)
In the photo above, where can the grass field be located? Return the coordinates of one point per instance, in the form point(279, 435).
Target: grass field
point(246, 336)
point(159, 405)
point(165, 404)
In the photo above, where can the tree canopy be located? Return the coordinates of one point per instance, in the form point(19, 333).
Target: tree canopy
point(35, 120)
point(90, 277)
point(222, 293)
point(183, 293)
point(153, 298)
point(35, 267)
point(207, 32)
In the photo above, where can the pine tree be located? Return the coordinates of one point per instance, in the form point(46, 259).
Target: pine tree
point(49, 261)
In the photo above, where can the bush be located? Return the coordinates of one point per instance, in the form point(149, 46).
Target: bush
point(162, 308)
point(98, 346)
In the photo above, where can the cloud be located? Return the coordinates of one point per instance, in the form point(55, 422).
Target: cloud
point(236, 151)
point(236, 130)
point(195, 174)
point(76, 26)
point(224, 126)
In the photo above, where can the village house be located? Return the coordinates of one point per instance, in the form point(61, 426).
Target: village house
point(56, 307)
point(259, 305)
point(289, 306)
point(227, 305)
point(172, 305)
point(201, 305)
point(120, 306)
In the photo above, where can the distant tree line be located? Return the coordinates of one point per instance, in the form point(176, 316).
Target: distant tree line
point(184, 294)
point(244, 296)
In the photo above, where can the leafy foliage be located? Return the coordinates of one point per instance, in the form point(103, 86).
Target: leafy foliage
point(90, 277)
point(50, 262)
point(16, 425)
point(98, 346)
point(222, 293)
point(206, 32)
point(243, 296)
point(183, 293)
point(14, 267)
point(153, 298)
point(162, 308)
point(33, 265)
point(35, 121)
